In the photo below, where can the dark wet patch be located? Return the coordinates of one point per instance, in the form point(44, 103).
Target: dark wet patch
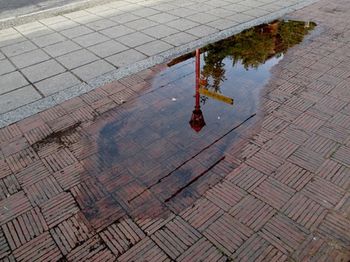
point(161, 151)
point(56, 137)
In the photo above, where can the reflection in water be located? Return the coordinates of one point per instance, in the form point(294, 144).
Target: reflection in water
point(145, 156)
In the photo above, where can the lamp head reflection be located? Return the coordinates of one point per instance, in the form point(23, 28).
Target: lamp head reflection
point(197, 120)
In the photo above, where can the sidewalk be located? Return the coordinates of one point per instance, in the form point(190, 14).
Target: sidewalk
point(49, 61)
point(281, 191)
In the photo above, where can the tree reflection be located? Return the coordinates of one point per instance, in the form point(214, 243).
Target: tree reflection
point(250, 48)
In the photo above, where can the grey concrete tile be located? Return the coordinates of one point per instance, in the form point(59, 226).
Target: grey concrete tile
point(18, 48)
point(2, 56)
point(179, 39)
point(107, 48)
point(220, 12)
point(30, 58)
point(76, 14)
point(11, 40)
point(160, 31)
point(6, 67)
point(141, 24)
point(48, 39)
point(164, 7)
point(154, 47)
point(43, 70)
point(183, 12)
point(63, 25)
point(90, 39)
point(182, 24)
point(145, 12)
point(203, 18)
point(218, 3)
point(135, 39)
point(117, 31)
point(76, 31)
point(222, 24)
point(11, 82)
point(38, 33)
point(57, 83)
point(162, 18)
point(124, 18)
point(240, 18)
point(30, 27)
point(201, 31)
point(101, 24)
point(255, 12)
point(18, 98)
point(61, 48)
point(126, 58)
point(237, 8)
point(86, 19)
point(54, 20)
point(93, 70)
point(77, 58)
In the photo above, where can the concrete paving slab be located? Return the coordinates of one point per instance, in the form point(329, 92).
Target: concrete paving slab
point(43, 70)
point(77, 58)
point(11, 81)
point(6, 67)
point(93, 70)
point(57, 83)
point(29, 58)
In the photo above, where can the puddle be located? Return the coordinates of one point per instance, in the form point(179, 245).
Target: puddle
point(159, 152)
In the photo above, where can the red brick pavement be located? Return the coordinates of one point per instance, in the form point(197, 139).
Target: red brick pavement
point(282, 192)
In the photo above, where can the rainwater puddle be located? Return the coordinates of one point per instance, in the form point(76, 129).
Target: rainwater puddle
point(159, 152)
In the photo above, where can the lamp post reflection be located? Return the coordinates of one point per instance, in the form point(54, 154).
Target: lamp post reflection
point(197, 119)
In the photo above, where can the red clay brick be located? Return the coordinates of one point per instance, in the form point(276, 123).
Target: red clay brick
point(119, 237)
point(86, 251)
point(71, 233)
point(34, 172)
point(145, 250)
point(304, 211)
point(59, 160)
point(202, 251)
point(265, 162)
point(306, 159)
point(252, 212)
point(225, 195)
point(58, 208)
point(293, 176)
point(323, 192)
point(256, 249)
point(8, 186)
point(335, 172)
point(18, 161)
point(342, 155)
point(24, 228)
point(13, 206)
point(284, 234)
point(337, 228)
point(43, 190)
point(202, 214)
point(9, 132)
point(70, 176)
point(4, 246)
point(227, 234)
point(176, 237)
point(41, 248)
point(273, 192)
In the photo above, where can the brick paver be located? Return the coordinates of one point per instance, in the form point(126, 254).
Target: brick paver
point(280, 193)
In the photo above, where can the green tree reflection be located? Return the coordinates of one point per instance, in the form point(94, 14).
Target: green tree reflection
point(251, 48)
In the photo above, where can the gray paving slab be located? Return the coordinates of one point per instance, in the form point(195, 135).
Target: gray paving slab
point(6, 67)
point(93, 70)
point(18, 48)
point(126, 58)
point(160, 31)
point(107, 48)
point(18, 98)
point(76, 31)
point(135, 39)
point(62, 48)
point(30, 58)
point(77, 58)
point(153, 48)
point(90, 39)
point(57, 83)
point(117, 31)
point(43, 70)
point(11, 81)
